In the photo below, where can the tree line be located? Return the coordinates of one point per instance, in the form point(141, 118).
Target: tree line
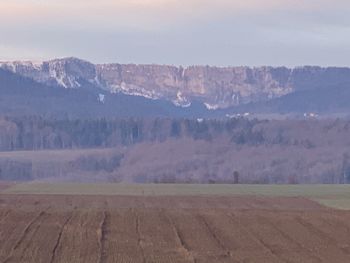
point(37, 133)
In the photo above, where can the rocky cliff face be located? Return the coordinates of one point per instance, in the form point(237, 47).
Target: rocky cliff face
point(68, 72)
point(215, 87)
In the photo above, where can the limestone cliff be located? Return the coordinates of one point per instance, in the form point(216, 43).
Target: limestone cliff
point(216, 87)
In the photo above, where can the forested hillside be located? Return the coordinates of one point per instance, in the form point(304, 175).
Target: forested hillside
point(175, 150)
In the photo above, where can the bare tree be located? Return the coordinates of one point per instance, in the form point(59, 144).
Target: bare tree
point(236, 177)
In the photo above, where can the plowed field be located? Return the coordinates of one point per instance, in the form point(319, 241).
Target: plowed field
point(4, 186)
point(125, 229)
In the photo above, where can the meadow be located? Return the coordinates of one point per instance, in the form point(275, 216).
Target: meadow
point(337, 196)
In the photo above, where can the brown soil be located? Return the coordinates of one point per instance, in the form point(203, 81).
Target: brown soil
point(170, 229)
point(4, 185)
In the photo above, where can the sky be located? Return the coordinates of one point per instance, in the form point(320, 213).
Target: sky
point(178, 32)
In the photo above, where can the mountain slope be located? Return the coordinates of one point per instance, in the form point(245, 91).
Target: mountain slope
point(160, 90)
point(20, 95)
point(323, 100)
point(213, 86)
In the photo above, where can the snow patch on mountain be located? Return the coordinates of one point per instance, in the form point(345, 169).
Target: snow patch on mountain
point(134, 90)
point(211, 106)
point(181, 100)
point(19, 66)
point(101, 98)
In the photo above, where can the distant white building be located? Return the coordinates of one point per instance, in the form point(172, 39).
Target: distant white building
point(238, 115)
point(310, 115)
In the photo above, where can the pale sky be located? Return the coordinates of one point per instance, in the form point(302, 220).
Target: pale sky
point(179, 32)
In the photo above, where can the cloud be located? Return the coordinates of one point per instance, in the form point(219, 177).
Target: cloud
point(221, 32)
point(149, 13)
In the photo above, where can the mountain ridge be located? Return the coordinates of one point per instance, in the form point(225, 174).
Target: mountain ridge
point(161, 90)
point(215, 87)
